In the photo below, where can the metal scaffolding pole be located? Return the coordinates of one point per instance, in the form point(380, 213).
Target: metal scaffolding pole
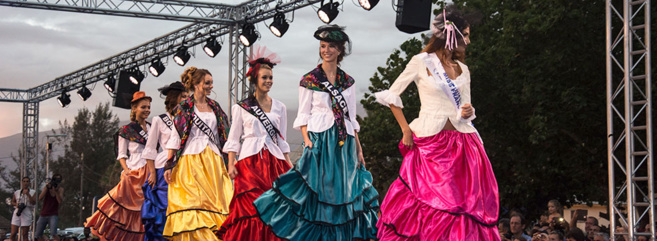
point(629, 118)
point(237, 57)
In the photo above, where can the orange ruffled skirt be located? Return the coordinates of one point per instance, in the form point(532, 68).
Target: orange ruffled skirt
point(119, 211)
point(199, 196)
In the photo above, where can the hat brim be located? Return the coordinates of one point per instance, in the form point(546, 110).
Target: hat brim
point(145, 97)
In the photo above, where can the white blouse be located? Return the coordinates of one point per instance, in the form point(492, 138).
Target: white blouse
point(197, 140)
point(245, 126)
point(316, 111)
point(436, 108)
point(159, 134)
point(135, 160)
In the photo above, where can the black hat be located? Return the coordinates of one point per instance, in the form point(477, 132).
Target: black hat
point(173, 86)
point(331, 33)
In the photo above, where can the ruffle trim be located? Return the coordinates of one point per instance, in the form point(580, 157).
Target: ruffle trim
point(111, 229)
point(296, 212)
point(386, 98)
point(190, 220)
point(408, 212)
point(301, 120)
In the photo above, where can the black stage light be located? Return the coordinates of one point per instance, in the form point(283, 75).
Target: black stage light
point(212, 47)
point(279, 26)
point(248, 35)
point(182, 56)
point(136, 76)
point(328, 12)
point(84, 93)
point(64, 99)
point(110, 83)
point(368, 4)
point(156, 68)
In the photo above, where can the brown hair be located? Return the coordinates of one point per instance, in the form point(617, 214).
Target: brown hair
point(171, 101)
point(341, 47)
point(193, 76)
point(253, 80)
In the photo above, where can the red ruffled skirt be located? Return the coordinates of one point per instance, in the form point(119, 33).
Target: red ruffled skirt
point(446, 190)
point(255, 176)
point(119, 211)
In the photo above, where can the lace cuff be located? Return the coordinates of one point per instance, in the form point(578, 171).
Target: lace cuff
point(301, 120)
point(233, 146)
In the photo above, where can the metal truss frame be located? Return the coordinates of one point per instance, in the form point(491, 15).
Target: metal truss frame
point(629, 117)
point(237, 88)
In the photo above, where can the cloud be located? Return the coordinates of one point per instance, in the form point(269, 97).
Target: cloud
point(38, 46)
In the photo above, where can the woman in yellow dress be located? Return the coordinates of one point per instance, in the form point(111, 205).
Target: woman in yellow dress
point(199, 187)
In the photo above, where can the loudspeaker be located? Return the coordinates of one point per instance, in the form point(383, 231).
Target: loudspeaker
point(124, 90)
point(413, 15)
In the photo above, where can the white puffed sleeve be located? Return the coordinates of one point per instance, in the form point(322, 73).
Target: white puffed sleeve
point(150, 150)
point(123, 148)
point(305, 105)
point(282, 142)
point(410, 74)
point(351, 104)
point(466, 97)
point(236, 130)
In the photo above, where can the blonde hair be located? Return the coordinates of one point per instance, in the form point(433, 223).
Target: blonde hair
point(193, 76)
point(133, 111)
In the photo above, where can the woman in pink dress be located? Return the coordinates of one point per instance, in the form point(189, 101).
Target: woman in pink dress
point(446, 188)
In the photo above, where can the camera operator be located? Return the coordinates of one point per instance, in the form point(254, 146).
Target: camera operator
point(51, 194)
point(24, 201)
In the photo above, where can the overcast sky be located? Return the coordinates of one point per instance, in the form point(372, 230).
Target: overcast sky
point(37, 46)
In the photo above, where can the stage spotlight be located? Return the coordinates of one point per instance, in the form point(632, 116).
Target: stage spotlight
point(156, 68)
point(136, 76)
point(212, 47)
point(248, 35)
point(182, 56)
point(279, 26)
point(328, 12)
point(64, 99)
point(110, 83)
point(368, 4)
point(84, 93)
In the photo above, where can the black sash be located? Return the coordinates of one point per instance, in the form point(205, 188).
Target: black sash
point(205, 129)
point(167, 120)
point(337, 96)
point(255, 110)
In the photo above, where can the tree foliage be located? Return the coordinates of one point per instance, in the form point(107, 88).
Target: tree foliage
point(538, 84)
point(88, 155)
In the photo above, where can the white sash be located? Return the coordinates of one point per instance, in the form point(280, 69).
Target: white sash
point(445, 83)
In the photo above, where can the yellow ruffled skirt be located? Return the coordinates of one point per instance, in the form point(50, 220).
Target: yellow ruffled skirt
point(199, 196)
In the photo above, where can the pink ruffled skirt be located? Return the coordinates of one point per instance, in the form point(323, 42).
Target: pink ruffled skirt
point(446, 190)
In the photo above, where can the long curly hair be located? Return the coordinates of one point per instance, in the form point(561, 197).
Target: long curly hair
point(193, 76)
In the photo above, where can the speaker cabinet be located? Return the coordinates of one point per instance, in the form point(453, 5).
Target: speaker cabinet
point(124, 90)
point(413, 15)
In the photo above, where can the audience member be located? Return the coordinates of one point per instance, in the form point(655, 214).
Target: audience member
point(601, 237)
point(555, 236)
point(517, 224)
point(575, 234)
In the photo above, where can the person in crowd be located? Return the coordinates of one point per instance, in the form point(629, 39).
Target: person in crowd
point(23, 201)
point(554, 209)
point(446, 189)
point(575, 234)
point(119, 212)
point(328, 195)
point(200, 189)
point(555, 236)
point(504, 228)
point(591, 230)
point(517, 223)
point(51, 195)
point(600, 237)
point(154, 210)
point(3, 234)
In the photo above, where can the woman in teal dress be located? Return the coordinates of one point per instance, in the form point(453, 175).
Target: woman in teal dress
point(328, 195)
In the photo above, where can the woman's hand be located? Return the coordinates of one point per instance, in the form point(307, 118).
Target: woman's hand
point(466, 111)
point(152, 179)
point(167, 176)
point(361, 158)
point(407, 139)
point(232, 171)
point(307, 143)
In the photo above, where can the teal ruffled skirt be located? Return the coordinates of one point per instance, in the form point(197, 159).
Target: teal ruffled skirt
point(328, 195)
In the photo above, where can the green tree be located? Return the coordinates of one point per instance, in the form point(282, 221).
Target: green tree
point(538, 84)
point(89, 155)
